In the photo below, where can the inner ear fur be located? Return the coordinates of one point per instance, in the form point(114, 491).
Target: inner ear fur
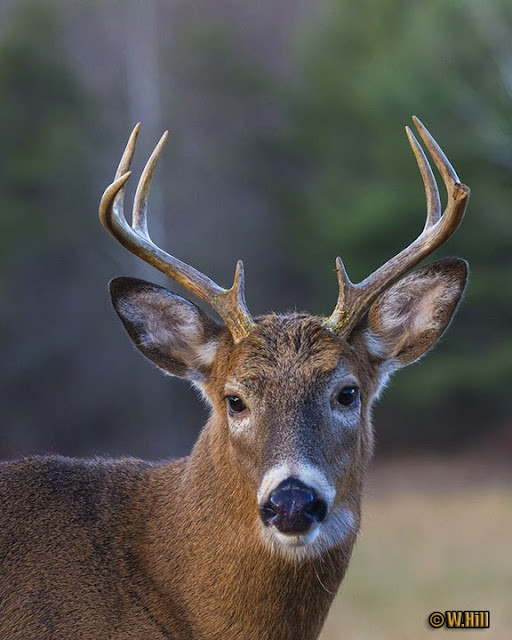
point(175, 334)
point(409, 318)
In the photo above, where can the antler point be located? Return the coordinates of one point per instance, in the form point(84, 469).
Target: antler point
point(121, 181)
point(239, 275)
point(134, 134)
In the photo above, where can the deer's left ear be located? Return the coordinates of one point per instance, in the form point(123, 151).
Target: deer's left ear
point(409, 318)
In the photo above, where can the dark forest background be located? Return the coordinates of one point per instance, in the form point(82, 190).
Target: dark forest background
point(286, 149)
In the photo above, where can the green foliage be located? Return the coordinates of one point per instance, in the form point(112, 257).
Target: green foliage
point(44, 116)
point(350, 186)
point(217, 58)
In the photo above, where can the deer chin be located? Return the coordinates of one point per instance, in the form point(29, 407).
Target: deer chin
point(338, 526)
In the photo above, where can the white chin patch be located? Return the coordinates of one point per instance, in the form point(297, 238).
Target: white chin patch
point(339, 523)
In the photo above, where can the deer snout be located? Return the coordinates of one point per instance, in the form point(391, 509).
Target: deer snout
point(293, 507)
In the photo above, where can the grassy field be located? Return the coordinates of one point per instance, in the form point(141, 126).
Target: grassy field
point(431, 546)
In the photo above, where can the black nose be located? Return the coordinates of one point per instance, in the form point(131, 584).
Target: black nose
point(293, 507)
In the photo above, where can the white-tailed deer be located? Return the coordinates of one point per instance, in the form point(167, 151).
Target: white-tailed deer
point(249, 536)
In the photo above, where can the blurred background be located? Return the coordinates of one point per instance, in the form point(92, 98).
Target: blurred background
point(286, 149)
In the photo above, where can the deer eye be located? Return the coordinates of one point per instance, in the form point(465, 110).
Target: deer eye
point(235, 405)
point(348, 396)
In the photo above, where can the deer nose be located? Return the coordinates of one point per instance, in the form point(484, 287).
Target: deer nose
point(293, 507)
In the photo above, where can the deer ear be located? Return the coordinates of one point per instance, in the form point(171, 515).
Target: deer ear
point(170, 331)
point(409, 318)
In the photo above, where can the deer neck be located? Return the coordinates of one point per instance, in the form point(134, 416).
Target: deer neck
point(204, 555)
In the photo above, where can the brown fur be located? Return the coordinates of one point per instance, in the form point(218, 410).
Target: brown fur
point(125, 549)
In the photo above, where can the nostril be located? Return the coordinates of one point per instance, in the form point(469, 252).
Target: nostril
point(317, 510)
point(268, 514)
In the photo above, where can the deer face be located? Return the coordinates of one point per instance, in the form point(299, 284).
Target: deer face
point(293, 399)
point(292, 394)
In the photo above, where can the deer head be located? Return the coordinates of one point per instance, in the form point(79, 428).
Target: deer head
point(291, 394)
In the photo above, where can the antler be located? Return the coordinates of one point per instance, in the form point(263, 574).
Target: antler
point(355, 299)
point(229, 303)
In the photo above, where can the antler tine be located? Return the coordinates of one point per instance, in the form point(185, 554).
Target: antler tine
point(431, 190)
point(341, 314)
point(354, 300)
point(123, 172)
point(126, 158)
point(229, 303)
point(140, 202)
point(448, 173)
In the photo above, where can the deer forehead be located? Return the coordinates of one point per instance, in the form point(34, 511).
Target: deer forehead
point(288, 350)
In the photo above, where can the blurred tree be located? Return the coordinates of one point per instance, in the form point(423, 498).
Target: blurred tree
point(45, 116)
point(47, 193)
point(349, 185)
